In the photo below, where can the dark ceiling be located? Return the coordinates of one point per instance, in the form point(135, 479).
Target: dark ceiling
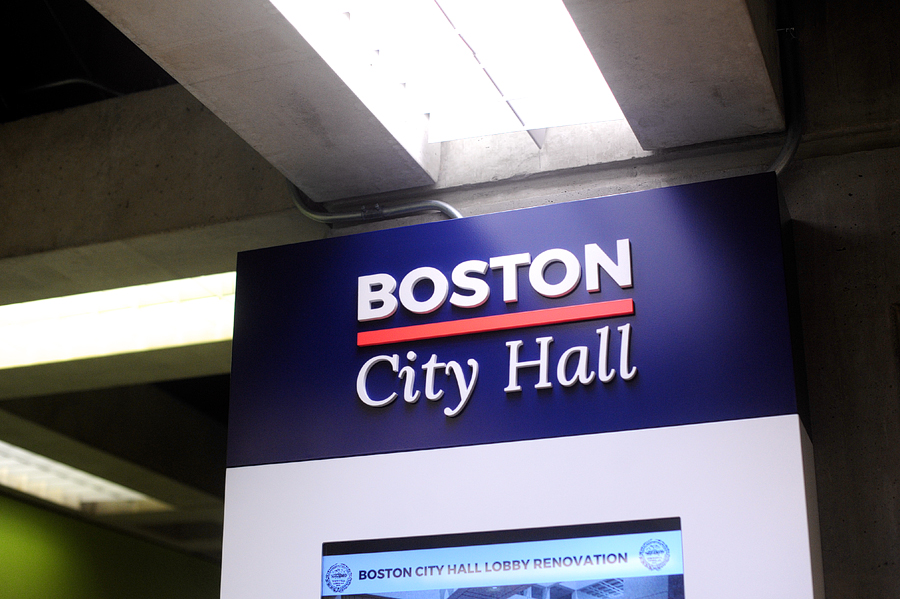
point(62, 53)
point(58, 54)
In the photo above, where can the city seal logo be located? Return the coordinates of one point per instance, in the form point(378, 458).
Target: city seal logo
point(338, 577)
point(654, 554)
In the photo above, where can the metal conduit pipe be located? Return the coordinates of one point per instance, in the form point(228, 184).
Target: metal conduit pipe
point(311, 211)
point(791, 81)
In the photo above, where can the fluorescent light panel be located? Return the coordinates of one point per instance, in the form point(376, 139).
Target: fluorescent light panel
point(476, 67)
point(130, 319)
point(36, 475)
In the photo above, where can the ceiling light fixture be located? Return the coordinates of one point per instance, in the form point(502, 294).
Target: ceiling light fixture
point(115, 321)
point(52, 481)
point(474, 67)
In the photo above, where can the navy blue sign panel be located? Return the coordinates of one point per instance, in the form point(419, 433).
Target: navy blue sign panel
point(648, 309)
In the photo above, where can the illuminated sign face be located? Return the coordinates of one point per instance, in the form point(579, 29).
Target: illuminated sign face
point(643, 310)
point(620, 559)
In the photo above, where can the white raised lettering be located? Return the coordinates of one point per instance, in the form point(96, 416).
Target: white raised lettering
point(465, 389)
point(581, 369)
point(543, 363)
point(605, 375)
point(462, 280)
point(569, 280)
point(409, 374)
point(361, 391)
point(595, 259)
point(626, 373)
point(430, 367)
point(438, 295)
point(510, 265)
point(375, 298)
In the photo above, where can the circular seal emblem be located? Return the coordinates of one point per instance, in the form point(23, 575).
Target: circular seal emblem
point(338, 577)
point(654, 554)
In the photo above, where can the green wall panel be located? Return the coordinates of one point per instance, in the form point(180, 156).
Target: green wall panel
point(47, 555)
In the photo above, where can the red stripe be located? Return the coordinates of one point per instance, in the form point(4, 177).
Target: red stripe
point(500, 322)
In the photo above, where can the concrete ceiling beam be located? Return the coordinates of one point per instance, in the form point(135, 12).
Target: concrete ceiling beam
point(139, 189)
point(687, 72)
point(245, 62)
point(135, 368)
point(143, 188)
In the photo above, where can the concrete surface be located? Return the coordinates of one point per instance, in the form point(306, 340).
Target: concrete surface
point(847, 233)
point(684, 73)
point(687, 72)
point(245, 62)
point(850, 56)
point(102, 195)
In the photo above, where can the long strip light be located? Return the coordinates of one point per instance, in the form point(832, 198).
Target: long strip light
point(475, 67)
point(63, 485)
point(130, 319)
